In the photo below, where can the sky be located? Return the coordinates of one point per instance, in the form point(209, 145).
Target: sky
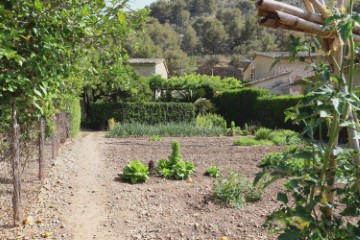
point(138, 4)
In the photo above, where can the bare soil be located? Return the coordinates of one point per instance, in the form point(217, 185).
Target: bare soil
point(83, 198)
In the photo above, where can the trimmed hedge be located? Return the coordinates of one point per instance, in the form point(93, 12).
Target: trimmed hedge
point(239, 105)
point(75, 115)
point(146, 113)
point(270, 111)
point(253, 105)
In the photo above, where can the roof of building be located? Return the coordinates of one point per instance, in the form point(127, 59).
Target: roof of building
point(286, 54)
point(146, 60)
point(250, 83)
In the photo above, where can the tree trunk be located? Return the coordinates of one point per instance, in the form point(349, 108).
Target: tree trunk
point(41, 149)
point(16, 200)
point(86, 103)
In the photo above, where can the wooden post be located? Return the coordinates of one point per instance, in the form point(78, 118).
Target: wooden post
point(41, 149)
point(16, 199)
point(53, 146)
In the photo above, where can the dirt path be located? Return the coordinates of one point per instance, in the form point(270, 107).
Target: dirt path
point(87, 208)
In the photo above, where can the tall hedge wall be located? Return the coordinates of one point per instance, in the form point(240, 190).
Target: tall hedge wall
point(239, 105)
point(252, 105)
point(149, 113)
point(270, 111)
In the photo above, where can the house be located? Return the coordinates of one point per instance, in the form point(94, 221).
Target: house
point(150, 66)
point(274, 71)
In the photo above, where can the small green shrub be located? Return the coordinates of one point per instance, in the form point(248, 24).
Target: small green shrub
point(155, 138)
point(213, 171)
point(246, 130)
point(203, 106)
point(262, 134)
point(235, 191)
point(111, 124)
point(210, 121)
point(233, 128)
point(249, 141)
point(135, 172)
point(290, 162)
point(285, 137)
point(175, 167)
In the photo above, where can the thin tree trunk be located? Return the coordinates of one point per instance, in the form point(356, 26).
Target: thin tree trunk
point(41, 149)
point(338, 56)
point(16, 167)
point(354, 144)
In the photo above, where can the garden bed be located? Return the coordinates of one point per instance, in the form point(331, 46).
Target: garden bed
point(83, 197)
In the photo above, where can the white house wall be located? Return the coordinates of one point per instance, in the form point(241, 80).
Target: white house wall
point(146, 70)
point(161, 70)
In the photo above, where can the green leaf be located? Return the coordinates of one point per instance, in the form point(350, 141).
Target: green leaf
point(38, 5)
point(323, 114)
point(336, 104)
point(37, 92)
point(345, 31)
point(290, 235)
point(282, 197)
point(122, 17)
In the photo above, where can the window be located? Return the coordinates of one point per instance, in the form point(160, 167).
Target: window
point(252, 75)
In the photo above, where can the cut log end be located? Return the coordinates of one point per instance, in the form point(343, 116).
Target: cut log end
point(259, 3)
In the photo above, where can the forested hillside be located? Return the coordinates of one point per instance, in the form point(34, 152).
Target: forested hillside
point(191, 33)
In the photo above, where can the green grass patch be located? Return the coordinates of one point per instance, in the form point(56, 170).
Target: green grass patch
point(249, 141)
point(265, 136)
point(163, 130)
point(235, 191)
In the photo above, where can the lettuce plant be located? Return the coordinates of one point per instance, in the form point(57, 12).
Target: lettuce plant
point(175, 167)
point(135, 172)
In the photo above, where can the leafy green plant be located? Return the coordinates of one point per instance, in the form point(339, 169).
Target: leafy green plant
point(204, 106)
point(212, 171)
point(278, 137)
point(155, 138)
point(175, 167)
point(246, 130)
point(262, 134)
point(135, 172)
point(111, 124)
point(235, 191)
point(249, 141)
point(285, 137)
point(210, 121)
point(233, 128)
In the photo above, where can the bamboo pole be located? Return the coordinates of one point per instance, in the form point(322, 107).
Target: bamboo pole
point(290, 22)
point(275, 24)
point(267, 8)
point(41, 149)
point(300, 23)
point(272, 6)
point(16, 199)
point(320, 7)
point(309, 7)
